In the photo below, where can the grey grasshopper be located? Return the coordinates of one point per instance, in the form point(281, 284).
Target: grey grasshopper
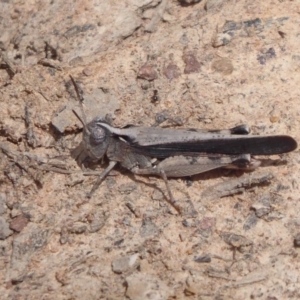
point(173, 153)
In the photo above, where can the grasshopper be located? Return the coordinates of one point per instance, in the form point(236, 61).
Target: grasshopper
point(173, 153)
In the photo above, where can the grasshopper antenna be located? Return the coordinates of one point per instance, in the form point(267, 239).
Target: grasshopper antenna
point(81, 118)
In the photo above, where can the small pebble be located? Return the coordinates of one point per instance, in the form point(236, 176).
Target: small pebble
point(192, 65)
point(223, 66)
point(171, 71)
point(203, 258)
point(147, 72)
point(125, 263)
point(18, 223)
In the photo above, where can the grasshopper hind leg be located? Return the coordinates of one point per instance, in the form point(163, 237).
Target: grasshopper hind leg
point(181, 166)
point(170, 194)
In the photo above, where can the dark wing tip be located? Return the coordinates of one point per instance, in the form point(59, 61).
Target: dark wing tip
point(276, 144)
point(289, 144)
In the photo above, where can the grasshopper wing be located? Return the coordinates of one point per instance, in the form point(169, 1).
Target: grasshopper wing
point(163, 143)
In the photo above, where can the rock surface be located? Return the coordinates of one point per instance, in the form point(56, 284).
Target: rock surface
point(212, 65)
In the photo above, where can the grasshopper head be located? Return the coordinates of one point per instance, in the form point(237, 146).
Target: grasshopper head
point(94, 143)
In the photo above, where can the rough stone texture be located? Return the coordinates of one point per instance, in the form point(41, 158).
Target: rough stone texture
point(243, 58)
point(5, 232)
point(144, 286)
point(125, 263)
point(18, 223)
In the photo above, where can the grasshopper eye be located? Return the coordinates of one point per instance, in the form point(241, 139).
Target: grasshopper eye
point(98, 135)
point(96, 140)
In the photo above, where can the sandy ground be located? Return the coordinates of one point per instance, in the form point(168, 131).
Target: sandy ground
point(215, 65)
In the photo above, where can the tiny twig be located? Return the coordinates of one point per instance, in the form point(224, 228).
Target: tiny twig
point(234, 186)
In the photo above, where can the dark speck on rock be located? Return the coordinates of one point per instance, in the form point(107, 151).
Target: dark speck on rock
point(266, 55)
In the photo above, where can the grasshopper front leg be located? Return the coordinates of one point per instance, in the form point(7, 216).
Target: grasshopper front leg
point(101, 177)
